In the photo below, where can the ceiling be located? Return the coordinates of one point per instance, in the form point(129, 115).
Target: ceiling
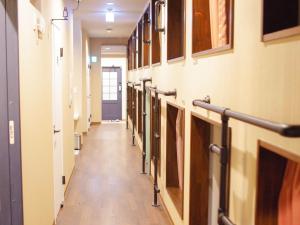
point(127, 13)
point(116, 50)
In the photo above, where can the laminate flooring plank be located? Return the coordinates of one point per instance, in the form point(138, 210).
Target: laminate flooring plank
point(106, 187)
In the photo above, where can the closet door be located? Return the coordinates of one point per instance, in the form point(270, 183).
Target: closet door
point(5, 212)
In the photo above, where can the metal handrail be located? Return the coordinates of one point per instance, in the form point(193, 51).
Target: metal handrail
point(130, 84)
point(161, 92)
point(147, 79)
point(224, 151)
point(151, 88)
point(167, 93)
point(137, 85)
point(157, 92)
point(285, 130)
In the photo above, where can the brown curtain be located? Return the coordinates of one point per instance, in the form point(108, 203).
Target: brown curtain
point(289, 199)
point(180, 147)
point(218, 23)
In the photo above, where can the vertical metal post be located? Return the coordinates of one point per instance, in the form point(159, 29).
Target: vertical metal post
point(133, 115)
point(156, 144)
point(225, 155)
point(144, 129)
point(144, 126)
point(127, 109)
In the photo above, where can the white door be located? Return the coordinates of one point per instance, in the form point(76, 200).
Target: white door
point(57, 120)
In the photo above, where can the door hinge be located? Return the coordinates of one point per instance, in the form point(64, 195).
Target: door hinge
point(11, 132)
point(63, 180)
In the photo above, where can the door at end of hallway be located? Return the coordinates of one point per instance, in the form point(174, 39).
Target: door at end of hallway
point(111, 93)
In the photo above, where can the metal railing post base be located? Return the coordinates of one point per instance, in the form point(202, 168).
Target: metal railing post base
point(155, 205)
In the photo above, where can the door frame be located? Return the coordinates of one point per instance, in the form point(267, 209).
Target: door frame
point(11, 120)
point(57, 113)
point(120, 98)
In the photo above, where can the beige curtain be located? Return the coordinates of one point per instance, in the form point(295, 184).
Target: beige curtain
point(289, 199)
point(218, 23)
point(180, 147)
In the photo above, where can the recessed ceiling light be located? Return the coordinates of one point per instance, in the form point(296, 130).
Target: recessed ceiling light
point(110, 16)
point(110, 3)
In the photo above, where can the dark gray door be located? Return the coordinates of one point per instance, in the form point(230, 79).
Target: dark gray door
point(10, 150)
point(5, 213)
point(111, 93)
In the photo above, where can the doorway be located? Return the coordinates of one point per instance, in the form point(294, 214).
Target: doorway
point(111, 93)
point(11, 206)
point(57, 119)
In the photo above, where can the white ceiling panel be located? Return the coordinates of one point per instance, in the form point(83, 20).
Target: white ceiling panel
point(127, 13)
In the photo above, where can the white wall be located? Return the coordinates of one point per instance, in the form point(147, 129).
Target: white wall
point(260, 79)
point(119, 62)
point(77, 48)
point(35, 57)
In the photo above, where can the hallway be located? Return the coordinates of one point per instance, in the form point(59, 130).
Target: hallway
point(208, 88)
point(106, 187)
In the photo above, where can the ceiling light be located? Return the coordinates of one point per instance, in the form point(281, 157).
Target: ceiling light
point(110, 16)
point(107, 48)
point(110, 3)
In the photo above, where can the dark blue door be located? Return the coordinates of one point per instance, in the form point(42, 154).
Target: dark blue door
point(10, 148)
point(111, 93)
point(5, 205)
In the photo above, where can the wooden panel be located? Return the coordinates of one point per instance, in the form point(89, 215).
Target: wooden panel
point(156, 46)
point(202, 38)
point(280, 15)
point(152, 146)
point(146, 37)
point(140, 113)
point(131, 56)
point(134, 50)
point(199, 171)
point(201, 26)
point(271, 170)
point(172, 176)
point(129, 53)
point(140, 43)
point(176, 28)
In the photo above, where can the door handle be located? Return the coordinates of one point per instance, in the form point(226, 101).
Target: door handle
point(56, 131)
point(158, 4)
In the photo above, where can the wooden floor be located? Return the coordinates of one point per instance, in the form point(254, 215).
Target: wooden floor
point(106, 187)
